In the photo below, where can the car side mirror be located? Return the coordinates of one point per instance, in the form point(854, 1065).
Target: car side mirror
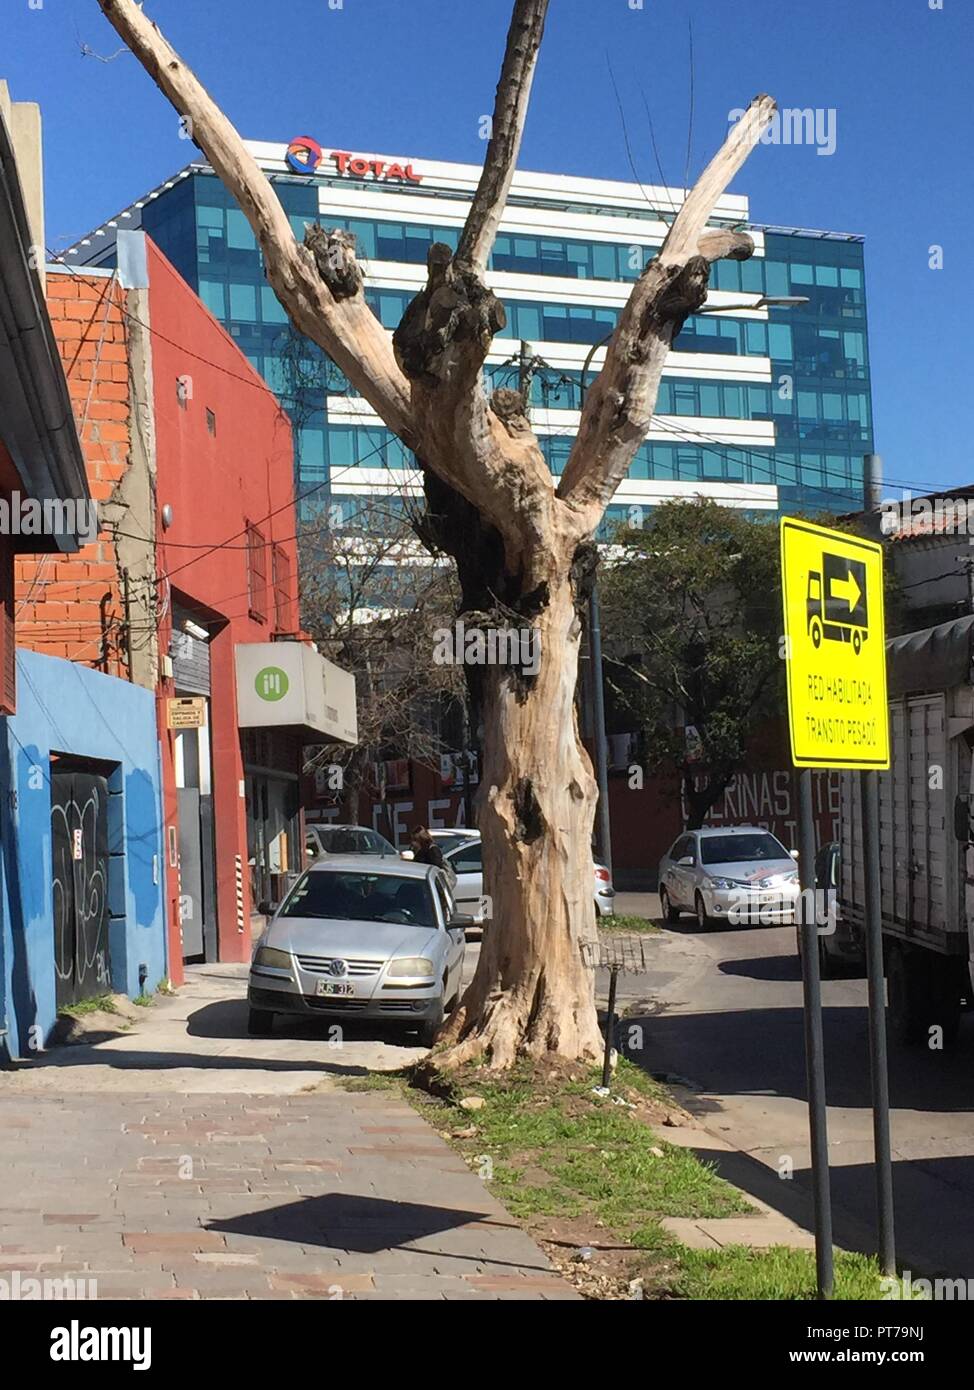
point(686, 862)
point(267, 909)
point(962, 819)
point(462, 919)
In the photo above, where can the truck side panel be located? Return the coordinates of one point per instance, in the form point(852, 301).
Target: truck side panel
point(919, 857)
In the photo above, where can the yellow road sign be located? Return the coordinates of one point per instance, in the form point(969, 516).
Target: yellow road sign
point(835, 647)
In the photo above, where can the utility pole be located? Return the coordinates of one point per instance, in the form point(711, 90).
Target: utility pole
point(872, 479)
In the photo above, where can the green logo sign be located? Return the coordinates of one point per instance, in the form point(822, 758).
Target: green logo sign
point(271, 683)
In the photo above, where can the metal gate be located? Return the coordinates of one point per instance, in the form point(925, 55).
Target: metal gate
point(79, 843)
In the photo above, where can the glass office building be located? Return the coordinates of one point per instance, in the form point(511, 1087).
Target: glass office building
point(760, 407)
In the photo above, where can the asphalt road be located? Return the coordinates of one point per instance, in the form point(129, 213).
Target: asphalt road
point(726, 1015)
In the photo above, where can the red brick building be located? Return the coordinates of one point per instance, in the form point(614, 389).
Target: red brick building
point(189, 457)
point(72, 605)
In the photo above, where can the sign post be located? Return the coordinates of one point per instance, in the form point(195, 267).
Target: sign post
point(832, 586)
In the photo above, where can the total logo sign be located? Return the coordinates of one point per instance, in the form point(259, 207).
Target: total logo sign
point(304, 156)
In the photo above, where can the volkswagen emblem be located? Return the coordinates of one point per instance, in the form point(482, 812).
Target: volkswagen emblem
point(337, 967)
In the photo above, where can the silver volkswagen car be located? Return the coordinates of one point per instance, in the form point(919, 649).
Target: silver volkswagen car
point(377, 940)
point(738, 874)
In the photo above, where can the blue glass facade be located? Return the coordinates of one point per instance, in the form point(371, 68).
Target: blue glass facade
point(818, 400)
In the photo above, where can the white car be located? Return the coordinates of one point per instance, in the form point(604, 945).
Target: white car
point(738, 874)
point(323, 840)
point(467, 863)
point(447, 839)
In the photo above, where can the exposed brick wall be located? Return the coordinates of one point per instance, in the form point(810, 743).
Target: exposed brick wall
point(8, 668)
point(72, 605)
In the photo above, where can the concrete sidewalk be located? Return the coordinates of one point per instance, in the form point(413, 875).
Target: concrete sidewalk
point(184, 1160)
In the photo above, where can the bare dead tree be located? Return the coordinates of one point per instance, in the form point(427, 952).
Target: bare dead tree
point(523, 546)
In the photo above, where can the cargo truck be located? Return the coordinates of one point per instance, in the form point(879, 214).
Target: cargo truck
point(926, 835)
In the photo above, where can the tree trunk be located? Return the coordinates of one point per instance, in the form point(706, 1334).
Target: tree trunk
point(700, 800)
point(532, 993)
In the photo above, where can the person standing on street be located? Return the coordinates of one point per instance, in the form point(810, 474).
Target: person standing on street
point(425, 849)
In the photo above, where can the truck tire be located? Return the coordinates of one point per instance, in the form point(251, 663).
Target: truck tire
point(905, 990)
point(923, 993)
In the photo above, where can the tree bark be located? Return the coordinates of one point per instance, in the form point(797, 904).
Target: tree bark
point(532, 992)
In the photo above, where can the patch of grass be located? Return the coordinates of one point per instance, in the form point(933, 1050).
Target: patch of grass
point(626, 922)
point(559, 1153)
point(145, 1001)
point(561, 1150)
point(103, 1003)
point(778, 1273)
point(372, 1081)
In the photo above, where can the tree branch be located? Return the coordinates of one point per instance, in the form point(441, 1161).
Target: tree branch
point(507, 127)
point(486, 452)
point(320, 285)
point(619, 407)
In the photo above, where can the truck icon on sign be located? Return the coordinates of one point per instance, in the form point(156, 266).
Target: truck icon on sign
point(836, 602)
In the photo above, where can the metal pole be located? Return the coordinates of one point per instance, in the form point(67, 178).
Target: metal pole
point(869, 806)
point(609, 1027)
point(598, 720)
point(872, 482)
point(814, 1042)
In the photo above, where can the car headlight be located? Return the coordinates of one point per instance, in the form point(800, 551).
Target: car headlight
point(270, 955)
point(412, 965)
point(724, 883)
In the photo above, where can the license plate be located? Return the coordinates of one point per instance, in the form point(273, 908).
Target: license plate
point(334, 987)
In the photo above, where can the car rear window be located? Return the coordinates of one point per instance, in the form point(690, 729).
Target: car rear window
point(740, 849)
point(351, 840)
point(361, 897)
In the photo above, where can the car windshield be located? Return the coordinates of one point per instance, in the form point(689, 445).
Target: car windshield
point(361, 897)
point(740, 849)
point(345, 839)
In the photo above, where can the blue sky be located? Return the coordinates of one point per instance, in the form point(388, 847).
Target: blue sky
point(416, 76)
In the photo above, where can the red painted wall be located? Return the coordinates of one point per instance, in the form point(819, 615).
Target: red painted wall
point(216, 480)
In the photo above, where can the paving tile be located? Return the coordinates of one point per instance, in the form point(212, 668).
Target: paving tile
point(301, 1195)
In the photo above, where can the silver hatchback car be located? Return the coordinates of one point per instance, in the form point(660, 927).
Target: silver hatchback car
point(377, 940)
point(738, 874)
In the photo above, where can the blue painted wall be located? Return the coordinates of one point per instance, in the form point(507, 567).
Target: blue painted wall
point(64, 708)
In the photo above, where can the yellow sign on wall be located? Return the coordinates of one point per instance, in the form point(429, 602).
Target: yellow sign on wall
point(835, 647)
